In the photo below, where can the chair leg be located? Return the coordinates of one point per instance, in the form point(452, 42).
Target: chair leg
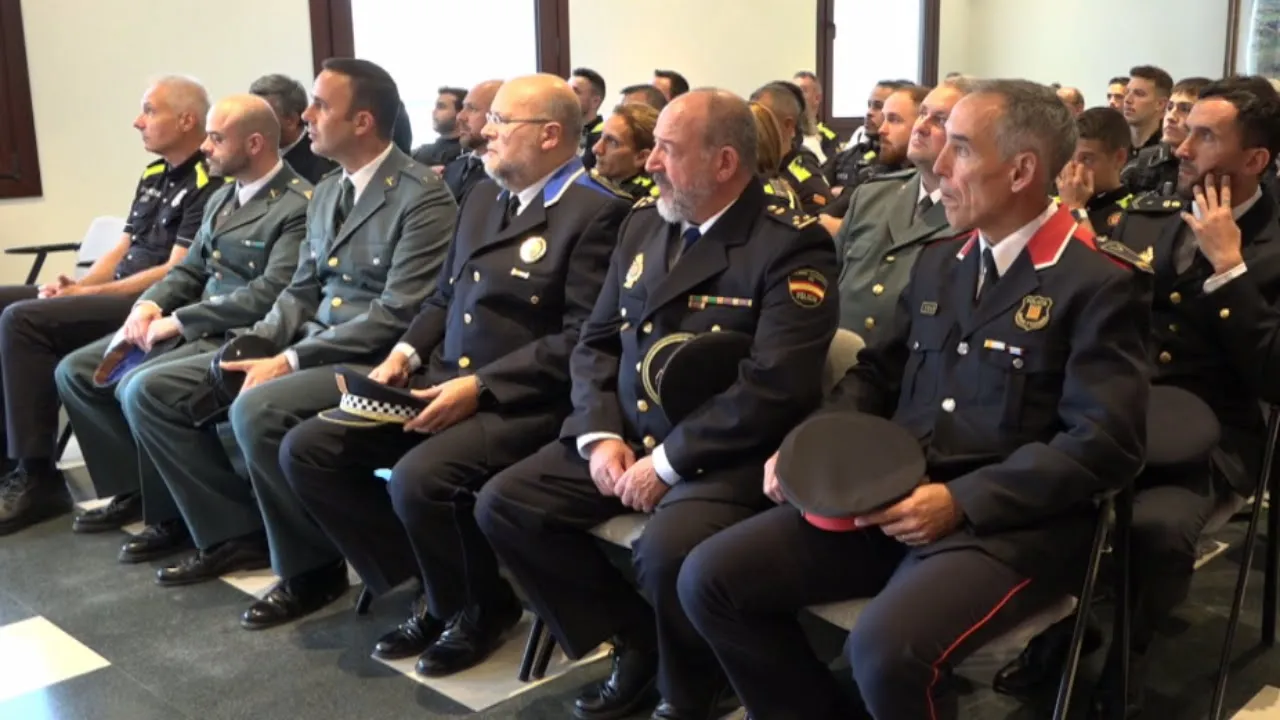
point(531, 649)
point(37, 264)
point(1120, 632)
point(1269, 577)
point(364, 601)
point(64, 439)
point(1067, 685)
point(543, 658)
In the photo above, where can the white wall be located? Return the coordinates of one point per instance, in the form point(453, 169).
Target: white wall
point(90, 61)
point(738, 45)
point(1082, 43)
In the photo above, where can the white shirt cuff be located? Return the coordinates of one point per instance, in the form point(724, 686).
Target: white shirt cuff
point(292, 357)
point(587, 440)
point(407, 350)
point(1223, 278)
point(663, 466)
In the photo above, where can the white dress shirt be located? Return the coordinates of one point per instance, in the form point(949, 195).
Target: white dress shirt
point(361, 178)
point(1007, 250)
point(245, 193)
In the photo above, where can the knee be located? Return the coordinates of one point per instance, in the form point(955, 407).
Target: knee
point(68, 375)
point(137, 398)
point(493, 505)
point(308, 443)
point(659, 553)
point(879, 655)
point(702, 581)
point(252, 420)
point(15, 318)
point(1165, 537)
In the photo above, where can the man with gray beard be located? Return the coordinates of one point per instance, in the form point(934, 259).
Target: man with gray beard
point(709, 255)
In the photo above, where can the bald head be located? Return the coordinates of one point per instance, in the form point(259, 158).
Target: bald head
point(784, 105)
point(704, 155)
point(471, 117)
point(243, 139)
point(538, 129)
point(1072, 98)
point(172, 118)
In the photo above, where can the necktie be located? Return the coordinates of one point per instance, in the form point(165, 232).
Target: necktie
point(512, 210)
point(922, 207)
point(690, 236)
point(988, 275)
point(346, 201)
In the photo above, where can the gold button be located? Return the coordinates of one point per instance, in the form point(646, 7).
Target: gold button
point(466, 318)
point(534, 300)
point(889, 258)
point(1165, 357)
point(251, 265)
point(333, 262)
point(642, 406)
point(625, 327)
point(647, 328)
point(623, 312)
point(217, 254)
point(464, 362)
point(638, 365)
point(475, 276)
point(1175, 298)
point(715, 328)
point(1224, 313)
point(649, 442)
point(869, 323)
point(336, 302)
point(877, 289)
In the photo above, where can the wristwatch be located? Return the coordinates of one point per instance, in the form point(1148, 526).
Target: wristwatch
point(1080, 214)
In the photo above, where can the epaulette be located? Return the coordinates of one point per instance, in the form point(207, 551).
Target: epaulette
point(417, 171)
point(337, 170)
point(895, 175)
point(791, 217)
point(202, 175)
point(644, 202)
point(1154, 203)
point(154, 168)
point(1124, 253)
point(608, 184)
point(302, 188)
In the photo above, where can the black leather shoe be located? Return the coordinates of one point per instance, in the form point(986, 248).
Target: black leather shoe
point(629, 687)
point(471, 637)
point(211, 564)
point(667, 711)
point(297, 597)
point(122, 510)
point(413, 636)
point(156, 541)
point(26, 499)
point(1037, 670)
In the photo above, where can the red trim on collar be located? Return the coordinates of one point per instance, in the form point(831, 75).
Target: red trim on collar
point(1047, 245)
point(972, 240)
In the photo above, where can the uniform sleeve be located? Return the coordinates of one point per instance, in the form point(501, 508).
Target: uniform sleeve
point(542, 366)
point(428, 326)
point(415, 264)
point(193, 210)
point(781, 381)
point(1247, 324)
point(185, 282)
point(1102, 413)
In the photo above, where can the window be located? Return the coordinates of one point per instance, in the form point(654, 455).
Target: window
point(429, 44)
point(1257, 41)
point(861, 42)
point(19, 161)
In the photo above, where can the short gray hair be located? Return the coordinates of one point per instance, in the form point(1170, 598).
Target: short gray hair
point(964, 84)
point(286, 95)
point(1034, 120)
point(730, 124)
point(186, 95)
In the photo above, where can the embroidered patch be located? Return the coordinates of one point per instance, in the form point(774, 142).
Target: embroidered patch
point(1114, 219)
point(634, 272)
point(808, 287)
point(1034, 313)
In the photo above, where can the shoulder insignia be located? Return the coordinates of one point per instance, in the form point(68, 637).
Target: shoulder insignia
point(608, 184)
point(202, 175)
point(791, 217)
point(1122, 252)
point(644, 202)
point(1153, 203)
point(798, 170)
point(895, 175)
point(154, 168)
point(337, 170)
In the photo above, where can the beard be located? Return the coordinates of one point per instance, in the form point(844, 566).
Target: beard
point(678, 205)
point(230, 167)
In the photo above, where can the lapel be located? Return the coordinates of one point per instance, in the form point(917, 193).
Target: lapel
point(901, 230)
point(709, 256)
point(259, 203)
point(1042, 251)
point(963, 282)
point(533, 217)
point(374, 197)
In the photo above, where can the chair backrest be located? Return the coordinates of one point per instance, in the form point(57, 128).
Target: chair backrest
point(102, 235)
point(841, 356)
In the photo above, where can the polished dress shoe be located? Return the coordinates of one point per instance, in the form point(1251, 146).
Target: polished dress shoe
point(629, 687)
point(29, 498)
point(471, 637)
point(156, 541)
point(412, 637)
point(122, 510)
point(221, 559)
point(1037, 670)
point(667, 711)
point(297, 597)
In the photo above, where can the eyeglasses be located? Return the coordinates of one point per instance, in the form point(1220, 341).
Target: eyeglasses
point(496, 119)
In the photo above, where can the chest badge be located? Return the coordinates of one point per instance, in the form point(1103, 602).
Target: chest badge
point(1149, 255)
point(1034, 313)
point(1113, 220)
point(634, 272)
point(532, 249)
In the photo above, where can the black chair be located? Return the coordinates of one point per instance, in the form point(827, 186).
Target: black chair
point(1267, 483)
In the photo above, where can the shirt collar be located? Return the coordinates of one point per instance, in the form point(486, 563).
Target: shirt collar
point(705, 227)
point(1237, 211)
point(934, 196)
point(361, 178)
point(1007, 250)
point(528, 194)
point(245, 192)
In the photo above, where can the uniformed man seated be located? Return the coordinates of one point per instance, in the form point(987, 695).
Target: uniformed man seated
point(242, 258)
point(289, 100)
point(670, 83)
point(1089, 185)
point(769, 152)
point(1216, 258)
point(821, 140)
point(489, 353)
point(799, 165)
point(1155, 169)
point(864, 139)
point(1116, 88)
point(1145, 98)
point(376, 236)
point(467, 170)
point(1017, 360)
point(645, 95)
point(900, 112)
point(40, 325)
point(624, 147)
point(892, 217)
point(709, 255)
point(444, 121)
point(589, 86)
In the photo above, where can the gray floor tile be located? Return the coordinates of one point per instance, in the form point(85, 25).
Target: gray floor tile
point(107, 694)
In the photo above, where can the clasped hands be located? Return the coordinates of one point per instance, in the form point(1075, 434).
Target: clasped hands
point(617, 473)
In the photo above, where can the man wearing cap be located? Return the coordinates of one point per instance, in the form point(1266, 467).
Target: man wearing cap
point(489, 351)
point(891, 219)
point(376, 236)
point(242, 258)
point(41, 325)
point(710, 255)
point(1017, 361)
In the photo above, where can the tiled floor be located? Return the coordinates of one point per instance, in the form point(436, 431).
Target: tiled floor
point(82, 636)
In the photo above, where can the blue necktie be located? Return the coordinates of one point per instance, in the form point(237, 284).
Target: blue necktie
point(690, 236)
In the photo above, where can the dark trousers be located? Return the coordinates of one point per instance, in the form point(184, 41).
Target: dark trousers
point(34, 335)
point(537, 514)
point(743, 588)
point(421, 522)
